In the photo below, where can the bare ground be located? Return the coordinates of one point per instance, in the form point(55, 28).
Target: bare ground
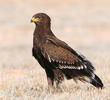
point(84, 25)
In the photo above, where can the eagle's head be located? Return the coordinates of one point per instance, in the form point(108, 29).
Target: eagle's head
point(41, 18)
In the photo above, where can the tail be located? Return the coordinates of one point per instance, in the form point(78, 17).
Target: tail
point(95, 81)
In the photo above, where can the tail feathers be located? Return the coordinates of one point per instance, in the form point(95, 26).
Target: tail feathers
point(95, 81)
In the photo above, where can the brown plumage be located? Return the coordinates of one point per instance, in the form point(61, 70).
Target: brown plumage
point(57, 58)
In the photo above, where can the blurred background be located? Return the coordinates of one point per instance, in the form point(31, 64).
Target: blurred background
point(83, 24)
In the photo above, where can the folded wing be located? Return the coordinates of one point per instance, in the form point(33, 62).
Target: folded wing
point(63, 57)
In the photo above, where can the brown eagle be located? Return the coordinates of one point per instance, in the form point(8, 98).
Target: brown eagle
point(57, 58)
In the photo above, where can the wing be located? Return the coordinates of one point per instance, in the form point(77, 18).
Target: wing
point(84, 60)
point(63, 57)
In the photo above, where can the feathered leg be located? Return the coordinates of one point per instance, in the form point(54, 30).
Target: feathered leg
point(50, 79)
point(58, 77)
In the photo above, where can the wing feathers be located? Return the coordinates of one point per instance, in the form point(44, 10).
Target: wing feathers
point(64, 58)
point(49, 58)
point(72, 67)
point(58, 54)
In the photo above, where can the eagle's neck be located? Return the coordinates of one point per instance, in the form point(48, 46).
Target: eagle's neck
point(42, 32)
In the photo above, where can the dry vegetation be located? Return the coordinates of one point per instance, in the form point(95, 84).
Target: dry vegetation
point(85, 25)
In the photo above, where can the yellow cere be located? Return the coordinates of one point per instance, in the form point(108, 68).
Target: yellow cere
point(35, 19)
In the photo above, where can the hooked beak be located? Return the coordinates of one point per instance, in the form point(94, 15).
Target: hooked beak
point(31, 21)
point(34, 19)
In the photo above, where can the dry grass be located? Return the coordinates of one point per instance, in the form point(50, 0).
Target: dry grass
point(83, 25)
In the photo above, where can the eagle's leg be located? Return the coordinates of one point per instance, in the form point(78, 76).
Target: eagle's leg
point(50, 79)
point(59, 77)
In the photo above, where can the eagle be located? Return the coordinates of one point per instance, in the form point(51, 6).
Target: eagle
point(57, 58)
